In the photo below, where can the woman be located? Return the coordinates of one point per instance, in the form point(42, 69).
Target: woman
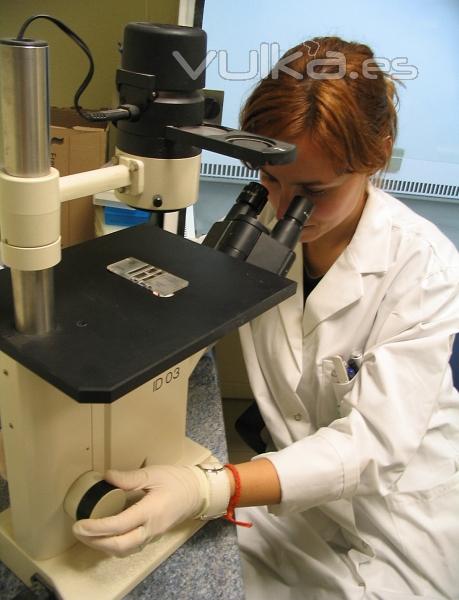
point(362, 486)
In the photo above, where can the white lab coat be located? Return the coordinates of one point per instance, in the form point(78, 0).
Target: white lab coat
point(368, 469)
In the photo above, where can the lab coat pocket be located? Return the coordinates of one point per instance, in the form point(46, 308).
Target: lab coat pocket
point(427, 528)
point(344, 400)
point(333, 400)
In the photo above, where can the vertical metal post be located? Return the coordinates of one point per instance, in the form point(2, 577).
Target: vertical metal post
point(24, 105)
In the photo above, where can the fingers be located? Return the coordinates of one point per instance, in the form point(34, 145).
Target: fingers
point(129, 519)
point(127, 480)
point(118, 545)
point(119, 535)
point(172, 495)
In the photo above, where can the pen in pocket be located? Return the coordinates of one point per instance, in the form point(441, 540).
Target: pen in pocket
point(342, 372)
point(355, 361)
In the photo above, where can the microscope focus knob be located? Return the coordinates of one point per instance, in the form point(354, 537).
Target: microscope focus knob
point(91, 497)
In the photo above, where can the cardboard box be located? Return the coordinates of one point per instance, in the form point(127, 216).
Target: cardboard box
point(76, 146)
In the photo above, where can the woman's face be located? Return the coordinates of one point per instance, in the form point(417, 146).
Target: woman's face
point(338, 198)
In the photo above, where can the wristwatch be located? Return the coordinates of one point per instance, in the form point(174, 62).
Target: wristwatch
point(219, 490)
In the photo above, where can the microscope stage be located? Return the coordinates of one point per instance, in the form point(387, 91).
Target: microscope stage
point(113, 335)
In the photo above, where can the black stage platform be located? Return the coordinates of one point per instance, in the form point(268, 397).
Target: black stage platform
point(112, 335)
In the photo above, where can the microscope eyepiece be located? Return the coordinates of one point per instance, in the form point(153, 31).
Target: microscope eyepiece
point(250, 201)
point(255, 195)
point(287, 231)
point(300, 209)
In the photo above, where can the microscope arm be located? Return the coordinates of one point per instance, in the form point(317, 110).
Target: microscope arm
point(128, 174)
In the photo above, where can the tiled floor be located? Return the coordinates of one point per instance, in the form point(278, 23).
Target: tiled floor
point(237, 449)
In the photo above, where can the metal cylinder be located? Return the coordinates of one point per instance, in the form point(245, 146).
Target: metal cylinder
point(24, 113)
point(25, 108)
point(33, 293)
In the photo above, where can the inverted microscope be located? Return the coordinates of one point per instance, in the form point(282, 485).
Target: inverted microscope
point(97, 342)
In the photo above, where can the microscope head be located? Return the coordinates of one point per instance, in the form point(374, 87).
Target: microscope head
point(162, 72)
point(160, 81)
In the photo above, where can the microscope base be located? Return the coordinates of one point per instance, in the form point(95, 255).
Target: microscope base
point(81, 572)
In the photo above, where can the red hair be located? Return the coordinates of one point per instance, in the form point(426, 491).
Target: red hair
point(345, 102)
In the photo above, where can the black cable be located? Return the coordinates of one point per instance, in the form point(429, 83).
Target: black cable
point(76, 38)
point(198, 13)
point(122, 112)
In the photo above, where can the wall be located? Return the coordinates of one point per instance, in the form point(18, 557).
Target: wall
point(99, 23)
point(415, 41)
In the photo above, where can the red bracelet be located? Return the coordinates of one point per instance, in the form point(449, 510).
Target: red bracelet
point(234, 500)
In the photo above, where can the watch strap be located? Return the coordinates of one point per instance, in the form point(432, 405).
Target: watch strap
point(219, 491)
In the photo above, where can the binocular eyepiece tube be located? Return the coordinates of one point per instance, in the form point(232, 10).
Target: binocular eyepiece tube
point(288, 229)
point(242, 236)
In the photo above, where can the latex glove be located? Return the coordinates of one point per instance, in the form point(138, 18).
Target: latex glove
point(173, 494)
